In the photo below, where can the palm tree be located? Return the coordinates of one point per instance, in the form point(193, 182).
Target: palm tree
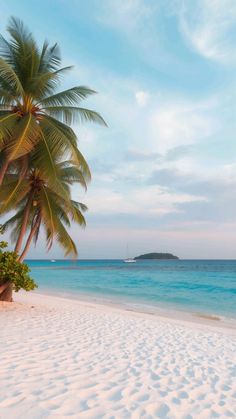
point(32, 111)
point(39, 204)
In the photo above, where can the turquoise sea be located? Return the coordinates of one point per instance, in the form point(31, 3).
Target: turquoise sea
point(199, 286)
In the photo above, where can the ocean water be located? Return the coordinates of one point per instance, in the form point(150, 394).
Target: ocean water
point(198, 286)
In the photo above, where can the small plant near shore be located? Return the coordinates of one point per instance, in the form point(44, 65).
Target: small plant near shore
point(14, 275)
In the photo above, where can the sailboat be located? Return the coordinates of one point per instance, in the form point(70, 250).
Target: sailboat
point(128, 259)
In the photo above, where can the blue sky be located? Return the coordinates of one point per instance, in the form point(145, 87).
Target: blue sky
point(164, 172)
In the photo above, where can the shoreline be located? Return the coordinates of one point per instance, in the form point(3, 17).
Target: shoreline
point(210, 319)
point(194, 289)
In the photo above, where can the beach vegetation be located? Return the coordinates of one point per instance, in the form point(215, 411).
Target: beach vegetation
point(14, 275)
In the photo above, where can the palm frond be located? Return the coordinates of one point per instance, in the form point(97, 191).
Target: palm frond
point(6, 51)
point(62, 140)
point(22, 43)
point(47, 215)
point(45, 83)
point(71, 114)
point(14, 224)
point(50, 58)
point(47, 166)
point(7, 99)
point(68, 97)
point(79, 205)
point(12, 194)
point(65, 240)
point(19, 32)
point(25, 138)
point(8, 121)
point(79, 160)
point(10, 79)
point(77, 215)
point(15, 219)
point(43, 158)
point(70, 173)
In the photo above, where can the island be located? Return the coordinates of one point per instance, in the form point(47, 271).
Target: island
point(159, 256)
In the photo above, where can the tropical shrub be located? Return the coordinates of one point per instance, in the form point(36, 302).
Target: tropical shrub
point(14, 275)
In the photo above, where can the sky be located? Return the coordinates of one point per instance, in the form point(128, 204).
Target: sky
point(164, 171)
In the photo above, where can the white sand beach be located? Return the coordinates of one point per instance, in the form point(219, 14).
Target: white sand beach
point(65, 358)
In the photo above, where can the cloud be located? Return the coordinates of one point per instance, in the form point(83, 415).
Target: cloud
point(180, 124)
point(136, 155)
point(142, 98)
point(145, 166)
point(219, 191)
point(140, 23)
point(146, 200)
point(178, 152)
point(128, 16)
point(167, 177)
point(168, 122)
point(208, 26)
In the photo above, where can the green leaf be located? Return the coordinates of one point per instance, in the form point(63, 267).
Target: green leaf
point(8, 121)
point(68, 97)
point(71, 115)
point(12, 193)
point(10, 78)
point(25, 137)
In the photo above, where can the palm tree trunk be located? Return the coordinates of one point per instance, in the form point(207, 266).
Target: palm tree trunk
point(30, 237)
point(3, 169)
point(6, 291)
point(24, 224)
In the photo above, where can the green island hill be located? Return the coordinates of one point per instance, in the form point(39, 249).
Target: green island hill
point(156, 256)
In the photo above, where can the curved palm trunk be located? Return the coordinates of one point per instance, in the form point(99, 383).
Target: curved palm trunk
point(29, 240)
point(3, 170)
point(24, 224)
point(6, 291)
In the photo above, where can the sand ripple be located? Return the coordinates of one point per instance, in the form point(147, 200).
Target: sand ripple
point(67, 359)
